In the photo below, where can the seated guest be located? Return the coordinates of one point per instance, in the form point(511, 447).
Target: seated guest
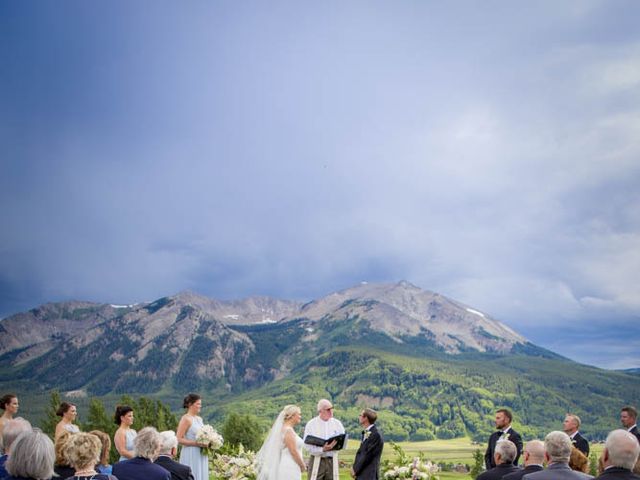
point(103, 465)
point(83, 451)
point(578, 461)
point(62, 466)
point(31, 457)
point(533, 455)
point(504, 454)
point(557, 446)
point(12, 429)
point(147, 447)
point(68, 413)
point(620, 456)
point(168, 450)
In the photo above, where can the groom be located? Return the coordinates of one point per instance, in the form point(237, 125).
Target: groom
point(367, 461)
point(324, 461)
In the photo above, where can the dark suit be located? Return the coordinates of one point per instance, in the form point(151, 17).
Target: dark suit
point(581, 443)
point(557, 471)
point(3, 472)
point(498, 472)
point(177, 470)
point(634, 431)
point(367, 461)
point(521, 473)
point(139, 468)
point(514, 437)
point(618, 473)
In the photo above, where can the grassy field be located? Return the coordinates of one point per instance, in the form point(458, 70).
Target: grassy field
point(459, 450)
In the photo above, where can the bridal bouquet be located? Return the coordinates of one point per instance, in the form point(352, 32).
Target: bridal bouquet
point(208, 436)
point(238, 467)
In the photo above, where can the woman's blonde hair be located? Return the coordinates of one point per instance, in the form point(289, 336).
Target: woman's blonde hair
point(83, 450)
point(578, 461)
point(106, 446)
point(61, 448)
point(289, 411)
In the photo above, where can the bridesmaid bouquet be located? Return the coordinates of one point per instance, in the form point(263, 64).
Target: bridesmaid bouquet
point(209, 437)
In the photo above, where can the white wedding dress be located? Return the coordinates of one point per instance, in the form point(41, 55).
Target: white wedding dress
point(288, 469)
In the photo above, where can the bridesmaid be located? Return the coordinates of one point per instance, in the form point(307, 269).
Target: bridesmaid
point(124, 436)
point(188, 428)
point(8, 403)
point(68, 412)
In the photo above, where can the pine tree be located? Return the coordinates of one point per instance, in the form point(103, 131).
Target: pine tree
point(478, 464)
point(98, 419)
point(50, 421)
point(242, 430)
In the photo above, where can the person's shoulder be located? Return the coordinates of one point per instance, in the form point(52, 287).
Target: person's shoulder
point(617, 474)
point(515, 475)
point(312, 422)
point(534, 475)
point(337, 422)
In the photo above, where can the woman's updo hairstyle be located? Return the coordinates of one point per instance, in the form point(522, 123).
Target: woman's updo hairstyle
point(290, 410)
point(64, 408)
point(121, 411)
point(190, 400)
point(7, 399)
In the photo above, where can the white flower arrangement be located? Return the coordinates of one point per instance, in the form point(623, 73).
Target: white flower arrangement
point(416, 468)
point(210, 438)
point(239, 467)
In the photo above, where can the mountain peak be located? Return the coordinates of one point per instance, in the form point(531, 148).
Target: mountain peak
point(404, 310)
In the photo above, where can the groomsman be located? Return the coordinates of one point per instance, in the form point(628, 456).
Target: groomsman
point(571, 426)
point(628, 416)
point(367, 462)
point(505, 432)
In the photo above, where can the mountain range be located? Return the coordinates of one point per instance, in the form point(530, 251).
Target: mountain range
point(434, 366)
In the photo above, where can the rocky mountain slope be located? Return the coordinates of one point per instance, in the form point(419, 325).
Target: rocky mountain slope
point(438, 368)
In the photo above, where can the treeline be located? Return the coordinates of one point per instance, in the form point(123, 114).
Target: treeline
point(423, 399)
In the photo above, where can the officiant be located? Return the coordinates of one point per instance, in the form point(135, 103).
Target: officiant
point(324, 460)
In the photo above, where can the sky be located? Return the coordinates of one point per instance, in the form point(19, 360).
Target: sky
point(485, 150)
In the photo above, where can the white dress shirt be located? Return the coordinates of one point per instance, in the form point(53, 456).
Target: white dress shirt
point(322, 429)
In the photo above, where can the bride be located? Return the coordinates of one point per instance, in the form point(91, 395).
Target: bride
point(280, 457)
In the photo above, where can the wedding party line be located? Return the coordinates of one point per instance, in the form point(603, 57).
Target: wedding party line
point(185, 454)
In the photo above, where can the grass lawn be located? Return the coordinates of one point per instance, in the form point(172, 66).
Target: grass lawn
point(458, 450)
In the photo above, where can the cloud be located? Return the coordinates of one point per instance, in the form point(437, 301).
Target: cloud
point(490, 155)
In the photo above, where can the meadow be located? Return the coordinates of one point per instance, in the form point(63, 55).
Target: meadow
point(456, 451)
